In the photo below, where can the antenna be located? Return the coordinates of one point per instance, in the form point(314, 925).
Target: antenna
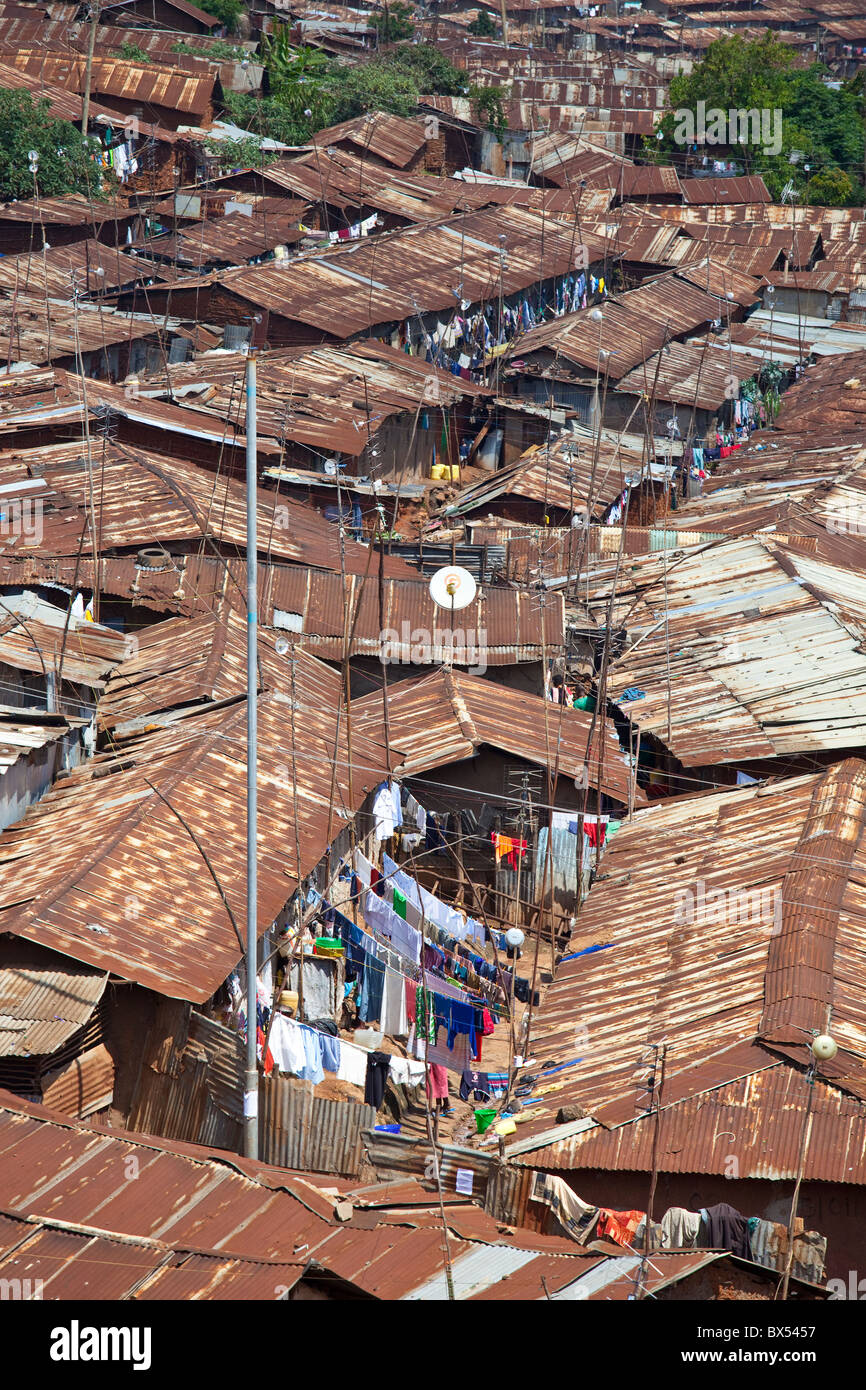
point(452, 587)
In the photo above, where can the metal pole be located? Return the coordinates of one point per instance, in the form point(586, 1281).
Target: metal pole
point(251, 1079)
point(85, 104)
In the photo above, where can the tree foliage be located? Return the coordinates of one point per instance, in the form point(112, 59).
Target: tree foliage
point(821, 129)
point(310, 91)
point(132, 53)
point(228, 12)
point(65, 159)
point(394, 22)
point(482, 26)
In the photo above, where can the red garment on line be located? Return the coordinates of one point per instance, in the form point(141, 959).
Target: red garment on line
point(437, 1082)
point(411, 990)
point(619, 1226)
point(595, 833)
point(267, 1060)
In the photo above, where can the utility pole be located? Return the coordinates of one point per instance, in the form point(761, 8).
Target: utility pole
point(504, 19)
point(85, 107)
point(251, 1079)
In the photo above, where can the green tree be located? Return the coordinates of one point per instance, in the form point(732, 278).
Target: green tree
point(278, 118)
point(240, 154)
point(829, 188)
point(432, 71)
point(819, 126)
point(482, 26)
point(228, 12)
point(490, 102)
point(394, 22)
point(66, 164)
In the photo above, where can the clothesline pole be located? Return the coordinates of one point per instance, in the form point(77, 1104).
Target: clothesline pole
point(432, 1130)
point(251, 1078)
point(658, 1082)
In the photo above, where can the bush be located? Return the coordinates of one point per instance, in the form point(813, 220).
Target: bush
point(132, 53)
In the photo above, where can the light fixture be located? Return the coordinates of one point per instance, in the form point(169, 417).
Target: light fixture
point(824, 1048)
point(514, 936)
point(596, 315)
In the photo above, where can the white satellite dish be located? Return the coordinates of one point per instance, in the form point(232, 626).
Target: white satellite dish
point(452, 587)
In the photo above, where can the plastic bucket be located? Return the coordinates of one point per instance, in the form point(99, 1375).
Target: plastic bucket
point(484, 1119)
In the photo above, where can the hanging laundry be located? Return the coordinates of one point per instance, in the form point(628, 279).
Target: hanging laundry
point(406, 1071)
point(505, 846)
point(378, 1064)
point(680, 1229)
point(619, 1226)
point(384, 812)
point(578, 1218)
point(437, 1082)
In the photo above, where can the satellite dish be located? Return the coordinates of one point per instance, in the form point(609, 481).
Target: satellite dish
point(281, 646)
point(452, 587)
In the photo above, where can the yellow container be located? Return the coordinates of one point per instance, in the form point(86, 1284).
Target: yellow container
point(289, 999)
point(440, 471)
point(455, 472)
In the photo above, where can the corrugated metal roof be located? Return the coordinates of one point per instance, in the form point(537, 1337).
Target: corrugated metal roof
point(446, 717)
point(745, 189)
point(701, 933)
point(637, 322)
point(87, 266)
point(328, 399)
point(178, 938)
point(147, 83)
point(561, 475)
point(148, 500)
point(44, 1000)
point(387, 137)
point(696, 375)
point(400, 274)
point(473, 1273)
point(23, 732)
point(762, 643)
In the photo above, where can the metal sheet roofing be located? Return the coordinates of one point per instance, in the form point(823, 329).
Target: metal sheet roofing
point(445, 717)
point(147, 83)
point(328, 399)
point(701, 931)
point(636, 323)
point(692, 374)
point(44, 1000)
point(400, 274)
point(560, 474)
point(765, 649)
point(180, 939)
point(148, 500)
point(86, 266)
point(393, 139)
point(745, 189)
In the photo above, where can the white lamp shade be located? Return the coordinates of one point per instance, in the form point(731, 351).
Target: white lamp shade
point(514, 936)
point(824, 1048)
